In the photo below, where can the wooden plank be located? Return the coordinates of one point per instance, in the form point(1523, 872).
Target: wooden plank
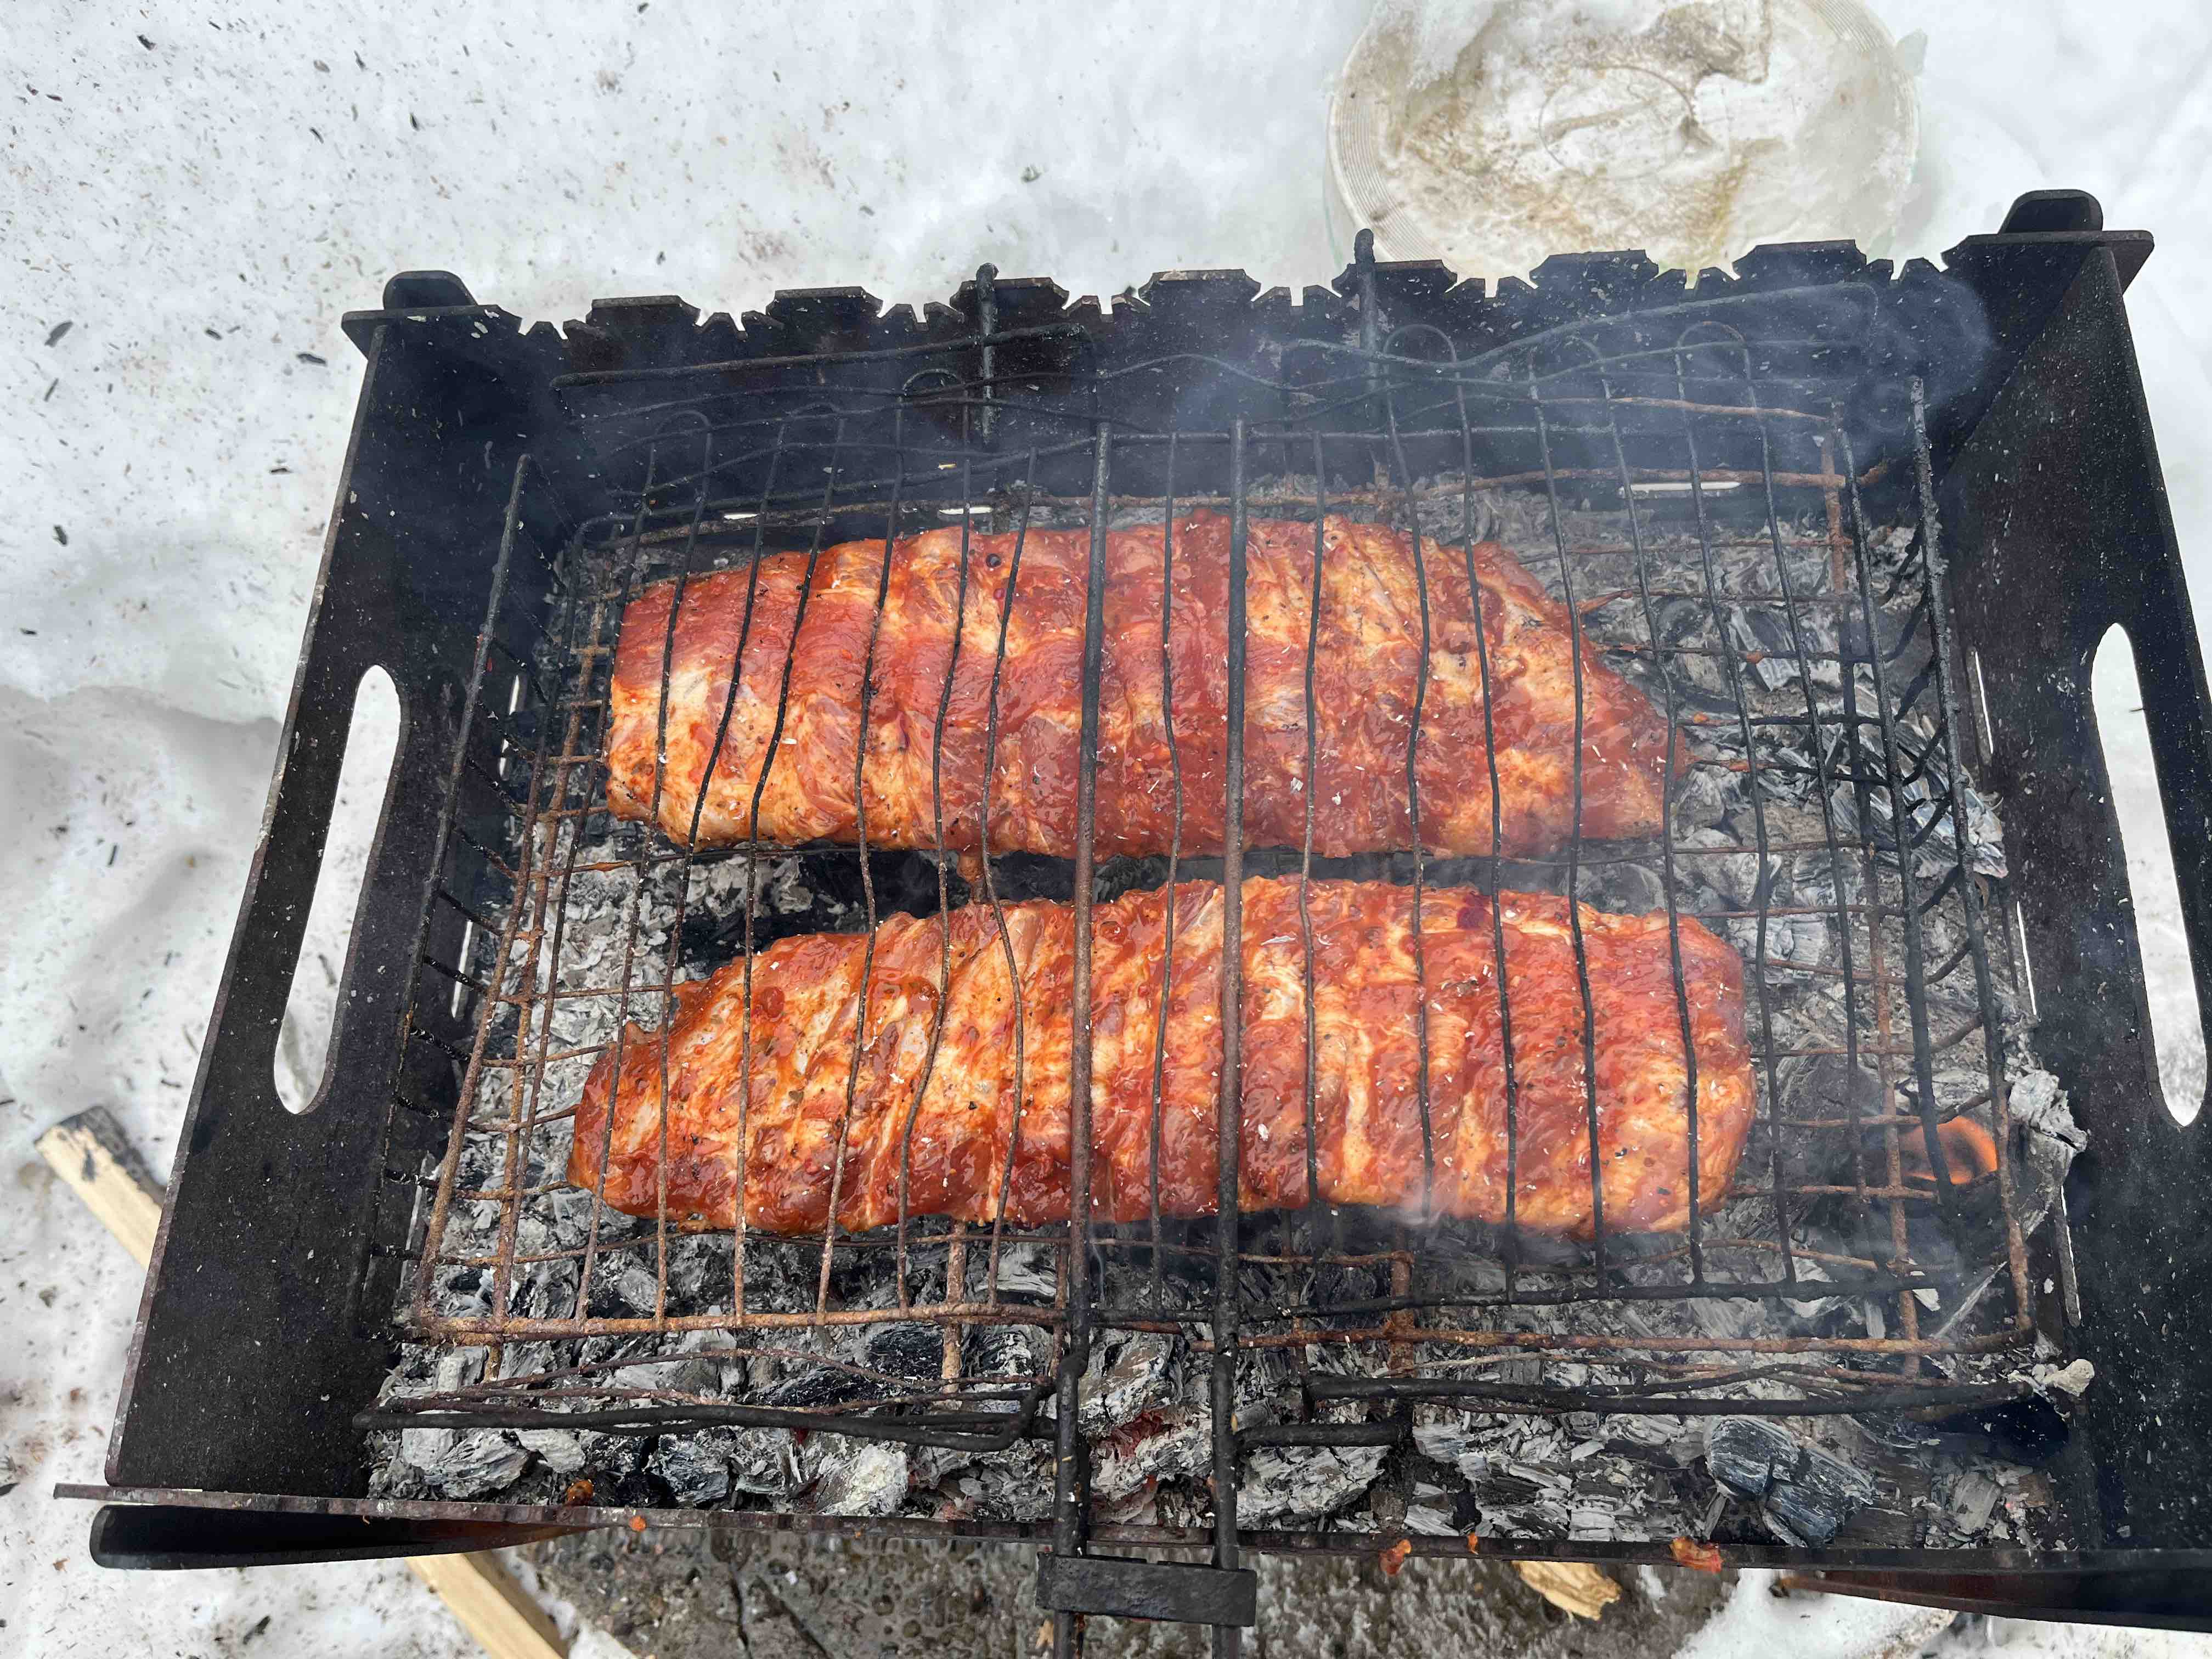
point(483, 1595)
point(1577, 1586)
point(91, 1154)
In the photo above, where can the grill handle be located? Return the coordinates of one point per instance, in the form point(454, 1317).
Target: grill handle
point(2057, 514)
point(262, 1193)
point(2054, 515)
point(1175, 1592)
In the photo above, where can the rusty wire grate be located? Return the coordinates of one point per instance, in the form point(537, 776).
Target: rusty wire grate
point(1698, 494)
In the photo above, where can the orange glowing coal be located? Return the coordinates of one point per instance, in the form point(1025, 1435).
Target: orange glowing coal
point(1969, 1152)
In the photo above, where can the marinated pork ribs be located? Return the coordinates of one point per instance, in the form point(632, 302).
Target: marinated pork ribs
point(803, 634)
point(949, 1096)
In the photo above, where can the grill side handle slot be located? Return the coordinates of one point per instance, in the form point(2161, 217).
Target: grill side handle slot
point(2055, 526)
point(276, 1216)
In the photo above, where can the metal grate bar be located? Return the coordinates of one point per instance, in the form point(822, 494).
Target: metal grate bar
point(1071, 1493)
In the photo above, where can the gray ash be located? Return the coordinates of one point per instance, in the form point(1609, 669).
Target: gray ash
point(1842, 846)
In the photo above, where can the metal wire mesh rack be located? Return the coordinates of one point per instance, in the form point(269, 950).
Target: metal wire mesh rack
point(1694, 485)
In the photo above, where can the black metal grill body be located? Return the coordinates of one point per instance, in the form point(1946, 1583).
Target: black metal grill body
point(497, 477)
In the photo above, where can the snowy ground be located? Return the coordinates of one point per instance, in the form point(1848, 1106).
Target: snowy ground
point(192, 195)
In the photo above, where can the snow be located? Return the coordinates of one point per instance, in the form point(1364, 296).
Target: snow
point(202, 206)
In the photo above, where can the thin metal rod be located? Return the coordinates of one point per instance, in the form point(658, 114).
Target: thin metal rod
point(945, 968)
point(1574, 847)
point(1156, 1126)
point(450, 1166)
point(998, 910)
point(753, 892)
point(1970, 891)
point(1228, 1125)
point(1072, 1483)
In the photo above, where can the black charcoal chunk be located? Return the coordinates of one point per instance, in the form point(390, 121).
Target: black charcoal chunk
point(699, 1272)
point(623, 1290)
point(817, 1385)
point(1742, 1453)
point(619, 1455)
point(1818, 1497)
point(905, 1350)
point(696, 1466)
point(1808, 1490)
point(1974, 1500)
point(1763, 636)
point(766, 1461)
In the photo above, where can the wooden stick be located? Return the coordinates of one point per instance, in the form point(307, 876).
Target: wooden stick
point(1577, 1586)
point(483, 1595)
point(89, 1153)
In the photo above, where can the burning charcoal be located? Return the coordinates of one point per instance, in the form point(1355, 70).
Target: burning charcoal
point(2038, 1102)
point(698, 1271)
point(1025, 1273)
point(855, 1477)
point(1625, 888)
point(1985, 834)
point(1155, 1446)
point(1433, 1517)
point(1016, 1485)
point(1791, 941)
point(905, 1350)
point(765, 1461)
point(561, 1449)
point(481, 1158)
point(1743, 1452)
point(1732, 872)
point(1305, 1483)
point(1824, 1086)
point(816, 1385)
point(1973, 1499)
point(566, 1211)
point(995, 1351)
point(625, 1289)
point(529, 1359)
point(696, 1466)
point(620, 1455)
point(1707, 795)
point(1807, 1490)
point(460, 1368)
point(547, 1290)
point(1662, 1440)
point(1442, 1434)
point(464, 1464)
point(1816, 1498)
point(701, 1365)
point(465, 1293)
point(1763, 636)
point(1133, 1378)
point(656, 1374)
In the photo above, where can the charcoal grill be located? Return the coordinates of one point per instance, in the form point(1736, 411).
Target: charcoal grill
point(507, 490)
